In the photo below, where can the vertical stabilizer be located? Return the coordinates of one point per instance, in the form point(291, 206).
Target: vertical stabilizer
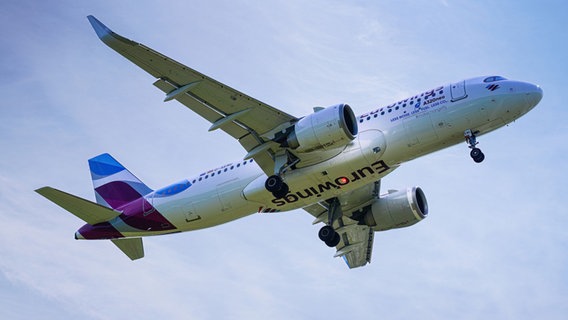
point(114, 185)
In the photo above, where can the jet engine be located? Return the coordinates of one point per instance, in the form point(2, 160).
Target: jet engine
point(329, 128)
point(397, 209)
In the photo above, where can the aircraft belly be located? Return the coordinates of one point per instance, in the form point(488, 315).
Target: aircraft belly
point(359, 163)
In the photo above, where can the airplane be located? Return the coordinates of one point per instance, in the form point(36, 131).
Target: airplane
point(328, 163)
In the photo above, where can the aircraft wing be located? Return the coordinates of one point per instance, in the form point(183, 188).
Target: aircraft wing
point(356, 244)
point(243, 117)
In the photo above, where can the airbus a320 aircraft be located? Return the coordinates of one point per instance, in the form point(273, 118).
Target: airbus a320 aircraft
point(328, 163)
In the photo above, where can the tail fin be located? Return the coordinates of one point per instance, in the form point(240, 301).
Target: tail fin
point(114, 185)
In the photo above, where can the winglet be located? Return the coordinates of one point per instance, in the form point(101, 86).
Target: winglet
point(105, 34)
point(99, 27)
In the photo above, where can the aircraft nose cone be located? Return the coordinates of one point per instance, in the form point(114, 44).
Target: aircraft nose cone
point(534, 95)
point(537, 95)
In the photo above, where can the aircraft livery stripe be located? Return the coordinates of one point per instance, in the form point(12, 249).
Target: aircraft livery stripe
point(117, 193)
point(99, 231)
point(104, 165)
point(140, 214)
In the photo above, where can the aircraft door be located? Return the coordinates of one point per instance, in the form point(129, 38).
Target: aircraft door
point(458, 91)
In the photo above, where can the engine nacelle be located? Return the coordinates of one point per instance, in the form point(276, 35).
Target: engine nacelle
point(329, 128)
point(398, 209)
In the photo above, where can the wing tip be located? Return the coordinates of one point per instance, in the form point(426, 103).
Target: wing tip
point(101, 30)
point(43, 190)
point(109, 37)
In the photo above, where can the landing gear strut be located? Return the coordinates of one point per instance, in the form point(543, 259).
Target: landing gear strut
point(326, 233)
point(475, 153)
point(274, 184)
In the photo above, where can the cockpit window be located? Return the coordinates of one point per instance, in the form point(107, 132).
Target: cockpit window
point(494, 78)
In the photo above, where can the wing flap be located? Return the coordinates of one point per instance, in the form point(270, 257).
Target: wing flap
point(356, 245)
point(90, 212)
point(356, 240)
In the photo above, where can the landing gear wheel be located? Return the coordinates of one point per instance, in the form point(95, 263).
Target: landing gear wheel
point(335, 241)
point(471, 140)
point(273, 183)
point(480, 158)
point(329, 236)
point(282, 192)
point(477, 155)
point(475, 152)
point(326, 233)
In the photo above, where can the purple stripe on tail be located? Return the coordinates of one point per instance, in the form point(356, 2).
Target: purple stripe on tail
point(117, 193)
point(114, 185)
point(99, 231)
point(140, 214)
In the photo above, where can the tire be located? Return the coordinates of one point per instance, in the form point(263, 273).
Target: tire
point(282, 192)
point(334, 241)
point(273, 183)
point(479, 158)
point(326, 234)
point(475, 153)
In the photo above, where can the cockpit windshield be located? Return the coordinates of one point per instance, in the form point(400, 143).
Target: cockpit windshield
point(493, 79)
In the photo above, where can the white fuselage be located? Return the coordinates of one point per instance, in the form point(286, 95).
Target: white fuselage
point(388, 136)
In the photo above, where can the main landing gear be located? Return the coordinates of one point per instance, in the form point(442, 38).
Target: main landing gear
point(327, 234)
point(475, 153)
point(277, 186)
point(274, 184)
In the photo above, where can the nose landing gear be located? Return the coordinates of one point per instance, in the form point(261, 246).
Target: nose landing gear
point(475, 153)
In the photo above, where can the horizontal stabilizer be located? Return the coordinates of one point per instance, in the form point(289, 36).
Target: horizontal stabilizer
point(132, 247)
point(85, 210)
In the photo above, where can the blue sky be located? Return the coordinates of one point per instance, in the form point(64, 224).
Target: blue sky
point(494, 245)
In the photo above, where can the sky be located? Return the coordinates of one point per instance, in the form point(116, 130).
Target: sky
point(493, 246)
